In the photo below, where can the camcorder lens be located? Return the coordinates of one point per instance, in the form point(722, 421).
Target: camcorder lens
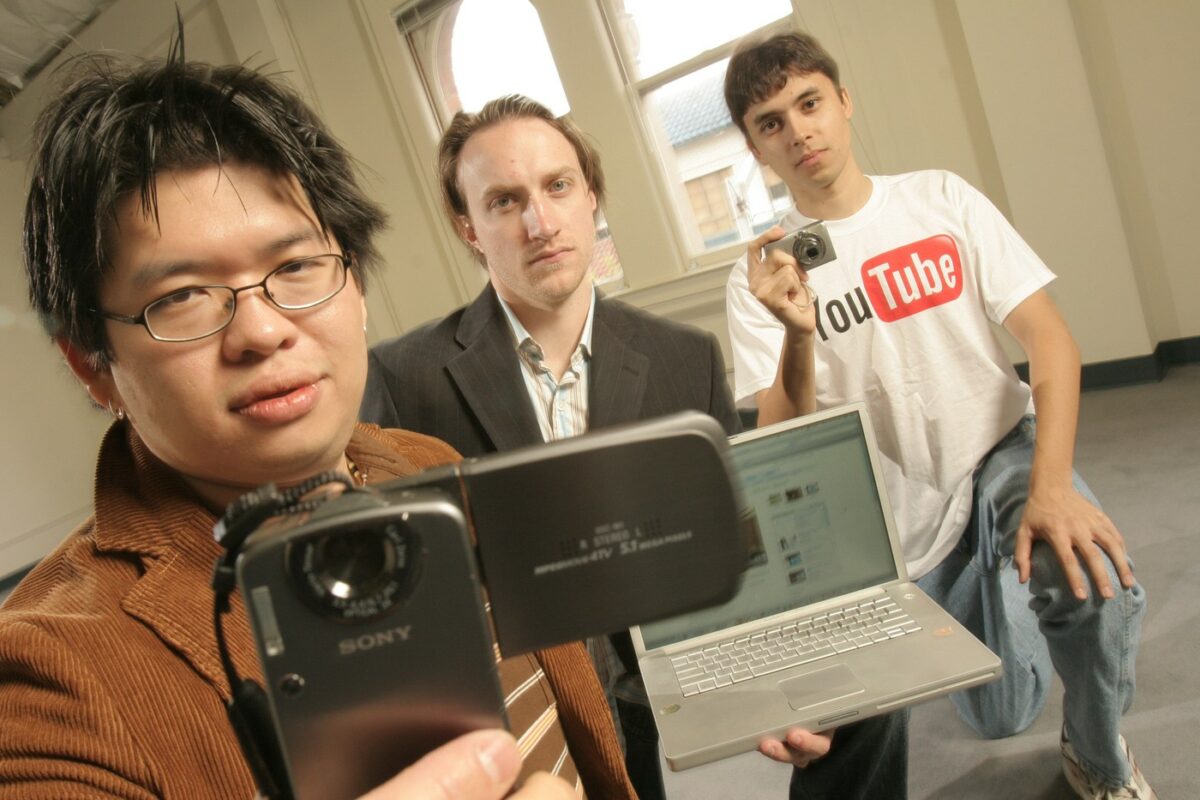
point(351, 565)
point(356, 574)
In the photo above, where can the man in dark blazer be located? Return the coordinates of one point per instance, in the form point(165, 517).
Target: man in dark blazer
point(461, 378)
point(539, 355)
point(522, 188)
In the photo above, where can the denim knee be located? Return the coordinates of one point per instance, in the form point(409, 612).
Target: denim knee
point(1052, 594)
point(990, 724)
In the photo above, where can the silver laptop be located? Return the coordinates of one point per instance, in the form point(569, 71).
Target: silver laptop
point(826, 628)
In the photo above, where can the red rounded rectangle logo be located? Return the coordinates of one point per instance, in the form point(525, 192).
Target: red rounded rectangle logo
point(914, 277)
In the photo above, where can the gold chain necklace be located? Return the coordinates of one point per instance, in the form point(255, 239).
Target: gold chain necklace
point(359, 476)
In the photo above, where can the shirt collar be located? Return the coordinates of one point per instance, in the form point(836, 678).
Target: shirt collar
point(521, 335)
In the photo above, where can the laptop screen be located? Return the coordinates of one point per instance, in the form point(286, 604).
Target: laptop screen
point(813, 521)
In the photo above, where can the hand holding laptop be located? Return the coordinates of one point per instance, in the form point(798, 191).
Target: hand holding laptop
point(826, 629)
point(798, 747)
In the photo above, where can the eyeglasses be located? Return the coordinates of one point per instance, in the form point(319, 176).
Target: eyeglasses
point(200, 311)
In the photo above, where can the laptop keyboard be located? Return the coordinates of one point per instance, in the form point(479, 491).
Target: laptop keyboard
point(810, 639)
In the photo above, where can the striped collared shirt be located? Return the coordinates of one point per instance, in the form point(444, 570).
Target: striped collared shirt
point(561, 405)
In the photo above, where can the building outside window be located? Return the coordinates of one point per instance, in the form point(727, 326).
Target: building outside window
point(674, 53)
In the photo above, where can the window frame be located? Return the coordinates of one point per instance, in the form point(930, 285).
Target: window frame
point(642, 209)
point(639, 89)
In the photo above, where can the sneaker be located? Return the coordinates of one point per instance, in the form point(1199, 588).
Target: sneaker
point(1089, 788)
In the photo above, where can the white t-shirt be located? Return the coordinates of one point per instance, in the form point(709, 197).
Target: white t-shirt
point(903, 326)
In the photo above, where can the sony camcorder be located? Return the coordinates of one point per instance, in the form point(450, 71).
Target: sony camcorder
point(370, 608)
point(810, 245)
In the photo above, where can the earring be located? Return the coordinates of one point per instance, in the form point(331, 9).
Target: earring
point(118, 412)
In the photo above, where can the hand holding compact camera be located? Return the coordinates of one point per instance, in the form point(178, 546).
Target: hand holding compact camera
point(811, 246)
point(368, 607)
point(784, 291)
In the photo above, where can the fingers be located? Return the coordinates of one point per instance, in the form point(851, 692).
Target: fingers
point(481, 765)
point(781, 286)
point(775, 750)
point(1113, 543)
point(1070, 564)
point(543, 786)
point(1108, 539)
point(1022, 551)
point(754, 249)
point(1080, 536)
point(774, 263)
point(1121, 564)
point(810, 296)
point(798, 748)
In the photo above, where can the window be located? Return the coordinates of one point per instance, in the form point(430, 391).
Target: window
point(709, 198)
point(674, 53)
point(472, 51)
point(778, 197)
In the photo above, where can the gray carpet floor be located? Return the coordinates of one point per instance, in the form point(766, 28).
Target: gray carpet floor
point(1139, 450)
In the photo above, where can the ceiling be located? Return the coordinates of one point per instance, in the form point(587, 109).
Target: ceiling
point(31, 34)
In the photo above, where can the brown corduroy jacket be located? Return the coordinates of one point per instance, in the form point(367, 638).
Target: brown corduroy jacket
point(110, 682)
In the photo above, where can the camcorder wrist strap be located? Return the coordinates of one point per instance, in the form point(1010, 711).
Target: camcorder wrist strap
point(248, 709)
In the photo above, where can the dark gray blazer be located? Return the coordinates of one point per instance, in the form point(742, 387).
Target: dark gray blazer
point(459, 379)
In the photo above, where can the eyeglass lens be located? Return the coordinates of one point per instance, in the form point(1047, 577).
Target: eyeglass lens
point(198, 311)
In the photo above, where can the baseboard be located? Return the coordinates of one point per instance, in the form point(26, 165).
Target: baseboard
point(1149, 368)
point(1178, 351)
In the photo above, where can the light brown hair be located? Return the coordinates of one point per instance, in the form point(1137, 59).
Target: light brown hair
point(502, 109)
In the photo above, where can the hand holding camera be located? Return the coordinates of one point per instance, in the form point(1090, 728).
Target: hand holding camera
point(476, 766)
point(778, 266)
point(367, 606)
point(810, 246)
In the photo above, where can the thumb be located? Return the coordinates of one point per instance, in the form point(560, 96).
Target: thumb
point(480, 765)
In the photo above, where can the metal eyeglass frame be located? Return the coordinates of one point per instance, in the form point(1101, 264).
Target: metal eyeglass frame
point(346, 260)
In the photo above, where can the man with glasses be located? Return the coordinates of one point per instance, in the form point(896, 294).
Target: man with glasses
point(195, 242)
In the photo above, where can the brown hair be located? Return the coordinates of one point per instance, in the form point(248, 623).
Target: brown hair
point(760, 67)
point(502, 109)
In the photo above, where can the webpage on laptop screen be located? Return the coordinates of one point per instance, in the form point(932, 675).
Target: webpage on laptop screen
point(813, 522)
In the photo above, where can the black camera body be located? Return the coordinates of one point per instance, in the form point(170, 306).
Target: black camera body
point(811, 245)
point(369, 612)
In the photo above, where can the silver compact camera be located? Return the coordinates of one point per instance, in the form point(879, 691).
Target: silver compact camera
point(372, 636)
point(811, 246)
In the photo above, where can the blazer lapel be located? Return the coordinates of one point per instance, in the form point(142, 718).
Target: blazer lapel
point(145, 510)
point(617, 372)
point(488, 375)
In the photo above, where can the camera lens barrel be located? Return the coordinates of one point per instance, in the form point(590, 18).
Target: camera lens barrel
point(358, 573)
point(808, 249)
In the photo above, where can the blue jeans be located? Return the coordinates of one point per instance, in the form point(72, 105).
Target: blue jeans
point(1039, 627)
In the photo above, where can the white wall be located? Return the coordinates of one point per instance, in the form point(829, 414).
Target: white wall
point(1078, 117)
point(49, 429)
point(1143, 64)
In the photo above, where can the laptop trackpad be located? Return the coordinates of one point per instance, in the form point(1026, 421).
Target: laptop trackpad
point(820, 686)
